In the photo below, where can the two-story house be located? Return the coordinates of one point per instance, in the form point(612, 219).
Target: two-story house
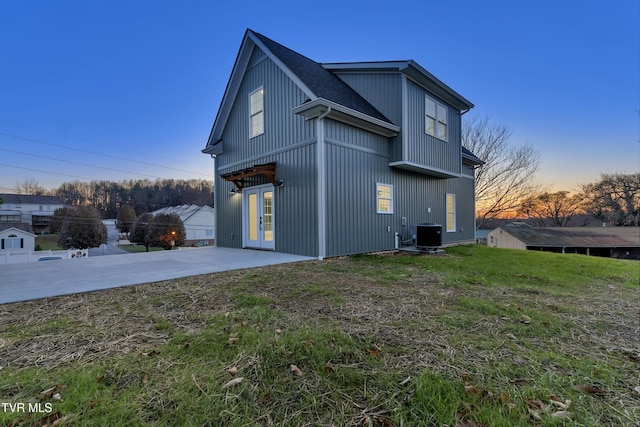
point(33, 210)
point(333, 159)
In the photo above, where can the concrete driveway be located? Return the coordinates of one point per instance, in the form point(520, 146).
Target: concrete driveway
point(33, 280)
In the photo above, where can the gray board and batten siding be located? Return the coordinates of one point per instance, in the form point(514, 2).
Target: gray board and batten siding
point(353, 173)
point(338, 215)
point(412, 149)
point(288, 140)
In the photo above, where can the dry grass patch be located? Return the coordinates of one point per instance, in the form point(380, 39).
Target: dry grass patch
point(379, 340)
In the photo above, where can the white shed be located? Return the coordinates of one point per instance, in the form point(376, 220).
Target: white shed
point(16, 239)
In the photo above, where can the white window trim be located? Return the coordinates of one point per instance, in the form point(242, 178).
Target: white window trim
point(390, 211)
point(12, 241)
point(261, 111)
point(437, 119)
point(454, 226)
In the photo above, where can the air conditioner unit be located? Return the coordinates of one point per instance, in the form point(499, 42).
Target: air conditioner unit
point(428, 236)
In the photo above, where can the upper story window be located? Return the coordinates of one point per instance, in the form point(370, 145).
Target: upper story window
point(256, 112)
point(435, 118)
point(9, 218)
point(384, 198)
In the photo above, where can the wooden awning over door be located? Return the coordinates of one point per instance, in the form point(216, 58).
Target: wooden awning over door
point(268, 170)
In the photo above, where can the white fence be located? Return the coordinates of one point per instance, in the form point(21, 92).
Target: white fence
point(13, 257)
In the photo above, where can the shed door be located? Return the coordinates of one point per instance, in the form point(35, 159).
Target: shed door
point(258, 217)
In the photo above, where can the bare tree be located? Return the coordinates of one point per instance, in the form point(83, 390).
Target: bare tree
point(31, 187)
point(508, 174)
point(615, 198)
point(552, 209)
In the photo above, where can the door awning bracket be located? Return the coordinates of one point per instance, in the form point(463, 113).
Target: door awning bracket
point(237, 177)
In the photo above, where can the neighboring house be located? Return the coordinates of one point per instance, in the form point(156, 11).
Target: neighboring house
point(199, 223)
point(17, 245)
point(614, 242)
point(36, 211)
point(16, 237)
point(334, 159)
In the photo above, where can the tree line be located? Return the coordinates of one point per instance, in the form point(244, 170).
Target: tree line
point(614, 199)
point(142, 195)
point(506, 185)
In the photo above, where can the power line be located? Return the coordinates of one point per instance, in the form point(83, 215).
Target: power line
point(43, 171)
point(83, 140)
point(79, 163)
point(98, 154)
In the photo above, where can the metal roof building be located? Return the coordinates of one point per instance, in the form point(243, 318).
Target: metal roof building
point(614, 242)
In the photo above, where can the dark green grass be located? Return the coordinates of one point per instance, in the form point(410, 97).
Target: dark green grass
point(48, 242)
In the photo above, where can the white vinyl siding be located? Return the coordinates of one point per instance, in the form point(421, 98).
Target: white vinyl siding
point(451, 213)
point(384, 198)
point(256, 112)
point(435, 118)
point(12, 242)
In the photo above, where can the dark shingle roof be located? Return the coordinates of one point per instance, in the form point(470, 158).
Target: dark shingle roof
point(19, 226)
point(471, 157)
point(322, 82)
point(26, 198)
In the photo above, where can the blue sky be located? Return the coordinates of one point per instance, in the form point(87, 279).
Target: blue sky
point(130, 89)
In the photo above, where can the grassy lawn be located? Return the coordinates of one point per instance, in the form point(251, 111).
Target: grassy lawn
point(48, 242)
point(477, 337)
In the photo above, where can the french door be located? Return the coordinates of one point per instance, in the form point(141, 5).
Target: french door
point(258, 220)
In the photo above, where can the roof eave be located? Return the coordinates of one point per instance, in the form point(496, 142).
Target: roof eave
point(472, 160)
point(321, 106)
point(435, 85)
point(213, 149)
point(233, 85)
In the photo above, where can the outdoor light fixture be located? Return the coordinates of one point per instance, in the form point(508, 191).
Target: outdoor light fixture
point(234, 191)
point(280, 183)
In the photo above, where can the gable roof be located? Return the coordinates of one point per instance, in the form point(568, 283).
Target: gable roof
point(17, 199)
point(26, 228)
point(322, 87)
point(320, 81)
point(185, 212)
point(411, 69)
point(605, 237)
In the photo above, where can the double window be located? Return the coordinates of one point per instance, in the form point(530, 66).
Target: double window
point(12, 242)
point(384, 198)
point(256, 112)
point(435, 118)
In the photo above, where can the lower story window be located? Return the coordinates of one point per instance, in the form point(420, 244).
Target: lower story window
point(451, 212)
point(12, 242)
point(384, 198)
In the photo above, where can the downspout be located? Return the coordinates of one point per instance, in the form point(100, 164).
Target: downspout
point(322, 186)
point(215, 194)
point(325, 114)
